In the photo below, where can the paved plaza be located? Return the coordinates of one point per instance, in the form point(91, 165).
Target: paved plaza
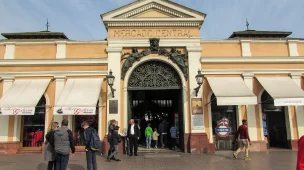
point(272, 160)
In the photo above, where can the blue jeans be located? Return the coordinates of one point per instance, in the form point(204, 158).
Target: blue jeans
point(91, 160)
point(148, 141)
point(115, 153)
point(62, 161)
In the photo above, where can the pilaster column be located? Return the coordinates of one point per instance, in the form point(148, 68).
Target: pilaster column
point(60, 82)
point(297, 78)
point(61, 49)
point(246, 51)
point(194, 55)
point(4, 121)
point(114, 57)
point(251, 116)
point(9, 50)
point(293, 48)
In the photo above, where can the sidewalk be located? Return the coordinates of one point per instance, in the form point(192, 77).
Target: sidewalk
point(274, 160)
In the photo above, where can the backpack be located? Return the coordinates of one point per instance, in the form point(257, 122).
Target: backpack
point(95, 141)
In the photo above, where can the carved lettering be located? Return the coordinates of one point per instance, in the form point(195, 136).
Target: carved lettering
point(179, 33)
point(127, 33)
point(137, 33)
point(150, 33)
point(158, 33)
point(133, 33)
point(116, 33)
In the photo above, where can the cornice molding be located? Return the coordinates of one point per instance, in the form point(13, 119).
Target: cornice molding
point(252, 60)
point(53, 62)
point(251, 71)
point(56, 74)
point(154, 24)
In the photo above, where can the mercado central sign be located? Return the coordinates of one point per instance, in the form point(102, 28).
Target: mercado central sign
point(145, 33)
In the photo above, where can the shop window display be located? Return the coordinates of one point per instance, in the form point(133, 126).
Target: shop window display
point(224, 125)
point(33, 126)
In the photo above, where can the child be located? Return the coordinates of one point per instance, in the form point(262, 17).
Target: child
point(155, 137)
point(115, 139)
point(148, 134)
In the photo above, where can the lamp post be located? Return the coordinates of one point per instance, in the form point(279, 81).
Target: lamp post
point(110, 80)
point(199, 79)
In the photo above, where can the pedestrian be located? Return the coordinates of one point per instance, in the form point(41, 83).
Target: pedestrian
point(148, 134)
point(300, 161)
point(49, 152)
point(173, 132)
point(155, 137)
point(111, 126)
point(244, 140)
point(63, 139)
point(163, 129)
point(133, 136)
point(90, 153)
point(116, 141)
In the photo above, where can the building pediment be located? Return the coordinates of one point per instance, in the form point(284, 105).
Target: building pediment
point(153, 13)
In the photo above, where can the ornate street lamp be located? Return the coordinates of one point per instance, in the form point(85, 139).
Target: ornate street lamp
point(199, 79)
point(111, 79)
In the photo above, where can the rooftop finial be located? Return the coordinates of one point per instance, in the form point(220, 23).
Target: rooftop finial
point(247, 24)
point(47, 25)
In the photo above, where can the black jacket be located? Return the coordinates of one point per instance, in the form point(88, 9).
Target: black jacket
point(87, 136)
point(116, 137)
point(50, 138)
point(136, 131)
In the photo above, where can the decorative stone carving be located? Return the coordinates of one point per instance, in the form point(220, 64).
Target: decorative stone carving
point(154, 75)
point(154, 45)
point(130, 59)
point(178, 58)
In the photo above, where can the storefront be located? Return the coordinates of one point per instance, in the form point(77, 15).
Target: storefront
point(153, 51)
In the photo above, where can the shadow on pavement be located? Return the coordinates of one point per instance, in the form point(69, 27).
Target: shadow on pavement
point(42, 166)
point(75, 167)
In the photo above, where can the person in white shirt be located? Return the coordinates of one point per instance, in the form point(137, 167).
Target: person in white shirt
point(133, 136)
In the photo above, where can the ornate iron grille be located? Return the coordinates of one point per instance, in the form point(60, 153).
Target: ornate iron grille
point(154, 75)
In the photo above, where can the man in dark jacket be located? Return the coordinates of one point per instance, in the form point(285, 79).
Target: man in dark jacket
point(163, 130)
point(133, 136)
point(116, 140)
point(90, 154)
point(63, 138)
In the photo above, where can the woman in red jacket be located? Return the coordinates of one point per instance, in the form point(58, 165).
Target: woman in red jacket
point(300, 163)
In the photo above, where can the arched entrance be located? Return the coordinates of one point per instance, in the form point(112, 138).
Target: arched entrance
point(274, 122)
point(155, 94)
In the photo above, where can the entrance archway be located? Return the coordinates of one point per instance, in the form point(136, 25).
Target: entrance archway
point(274, 122)
point(155, 93)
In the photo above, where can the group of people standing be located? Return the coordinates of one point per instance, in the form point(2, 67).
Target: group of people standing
point(59, 144)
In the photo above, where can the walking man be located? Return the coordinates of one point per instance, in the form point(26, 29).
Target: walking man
point(90, 154)
point(163, 130)
point(63, 138)
point(133, 136)
point(243, 141)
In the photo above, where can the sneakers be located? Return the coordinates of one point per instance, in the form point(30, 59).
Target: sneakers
point(235, 155)
point(247, 159)
point(155, 147)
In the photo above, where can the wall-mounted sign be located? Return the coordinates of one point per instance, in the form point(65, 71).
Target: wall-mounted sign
point(197, 108)
point(198, 122)
point(150, 33)
point(223, 129)
point(113, 106)
point(74, 110)
point(17, 111)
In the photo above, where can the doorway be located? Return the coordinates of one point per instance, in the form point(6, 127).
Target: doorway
point(274, 123)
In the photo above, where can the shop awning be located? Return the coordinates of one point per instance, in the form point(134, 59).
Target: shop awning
point(231, 91)
point(23, 96)
point(79, 97)
point(284, 90)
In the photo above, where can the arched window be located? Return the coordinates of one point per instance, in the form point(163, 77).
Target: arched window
point(33, 126)
point(224, 125)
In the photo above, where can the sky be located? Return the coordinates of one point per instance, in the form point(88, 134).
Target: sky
point(80, 19)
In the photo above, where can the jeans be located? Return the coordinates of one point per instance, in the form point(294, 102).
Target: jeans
point(51, 164)
point(155, 142)
point(163, 139)
point(115, 153)
point(91, 160)
point(62, 161)
point(148, 141)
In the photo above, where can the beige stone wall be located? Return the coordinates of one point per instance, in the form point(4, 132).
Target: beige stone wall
point(35, 51)
point(221, 50)
point(269, 50)
point(86, 50)
point(2, 51)
point(252, 66)
point(301, 49)
point(54, 68)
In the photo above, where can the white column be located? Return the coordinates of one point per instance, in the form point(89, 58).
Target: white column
point(297, 78)
point(60, 81)
point(114, 59)
point(246, 51)
point(9, 50)
point(293, 48)
point(4, 119)
point(194, 55)
point(61, 49)
point(251, 117)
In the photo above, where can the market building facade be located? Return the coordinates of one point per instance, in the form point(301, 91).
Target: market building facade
point(154, 50)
